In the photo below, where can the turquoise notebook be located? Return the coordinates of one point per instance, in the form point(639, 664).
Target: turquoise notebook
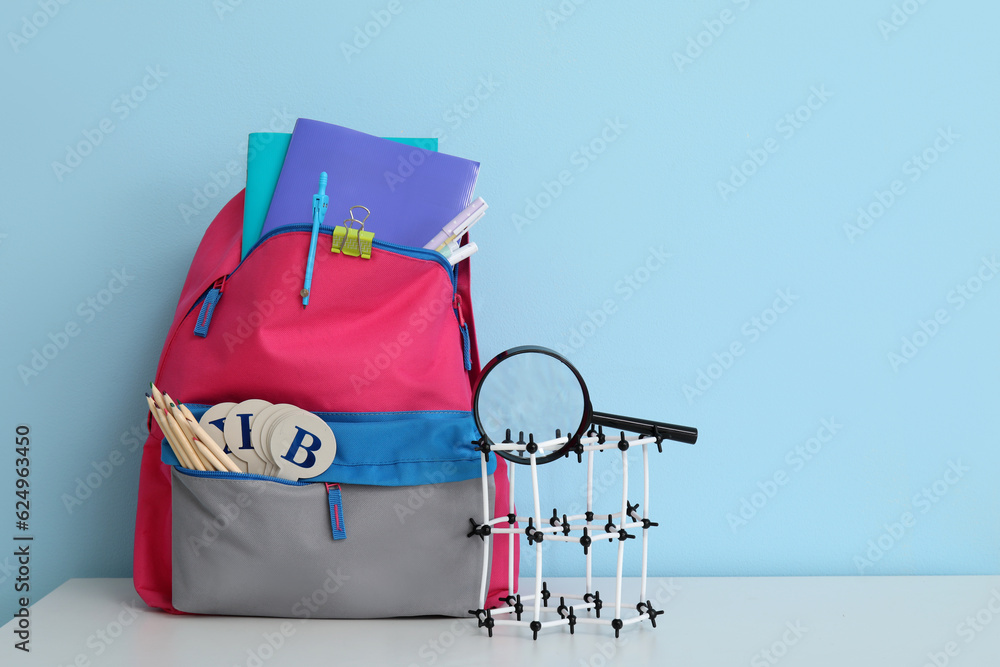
point(265, 156)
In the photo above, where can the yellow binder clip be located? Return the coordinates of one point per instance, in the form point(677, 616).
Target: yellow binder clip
point(353, 241)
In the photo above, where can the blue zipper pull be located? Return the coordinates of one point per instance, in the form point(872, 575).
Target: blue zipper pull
point(208, 307)
point(463, 328)
point(336, 511)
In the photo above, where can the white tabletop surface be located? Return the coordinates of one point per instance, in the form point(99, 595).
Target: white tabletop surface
point(814, 621)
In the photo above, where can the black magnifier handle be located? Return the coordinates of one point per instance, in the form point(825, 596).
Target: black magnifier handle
point(646, 427)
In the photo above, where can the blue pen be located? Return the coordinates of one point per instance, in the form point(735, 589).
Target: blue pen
point(320, 202)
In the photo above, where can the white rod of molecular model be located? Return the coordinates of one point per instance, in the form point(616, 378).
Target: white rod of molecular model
point(510, 538)
point(538, 546)
point(645, 515)
point(496, 521)
point(550, 446)
point(621, 542)
point(590, 508)
point(486, 540)
point(599, 536)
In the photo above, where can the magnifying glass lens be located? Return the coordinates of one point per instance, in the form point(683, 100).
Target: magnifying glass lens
point(531, 392)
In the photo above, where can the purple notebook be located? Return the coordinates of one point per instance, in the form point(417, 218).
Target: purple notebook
point(411, 192)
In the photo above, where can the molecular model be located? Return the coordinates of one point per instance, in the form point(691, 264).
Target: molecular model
point(537, 611)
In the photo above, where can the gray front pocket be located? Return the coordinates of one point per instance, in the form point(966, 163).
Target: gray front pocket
point(255, 547)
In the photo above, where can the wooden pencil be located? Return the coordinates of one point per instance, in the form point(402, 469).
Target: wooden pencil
point(206, 455)
point(157, 396)
point(168, 402)
point(178, 452)
point(189, 449)
point(208, 441)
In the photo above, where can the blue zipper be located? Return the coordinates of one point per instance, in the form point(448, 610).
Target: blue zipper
point(418, 253)
point(337, 525)
point(410, 251)
point(218, 474)
point(333, 493)
point(211, 297)
point(208, 307)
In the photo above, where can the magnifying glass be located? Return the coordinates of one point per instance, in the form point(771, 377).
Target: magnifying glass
point(533, 392)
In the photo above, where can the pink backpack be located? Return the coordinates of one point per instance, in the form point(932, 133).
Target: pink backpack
point(386, 354)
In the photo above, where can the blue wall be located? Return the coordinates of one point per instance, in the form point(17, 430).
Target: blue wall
point(675, 193)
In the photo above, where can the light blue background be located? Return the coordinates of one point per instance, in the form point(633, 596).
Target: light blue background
point(554, 87)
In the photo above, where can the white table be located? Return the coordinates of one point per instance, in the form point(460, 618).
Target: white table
point(814, 621)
